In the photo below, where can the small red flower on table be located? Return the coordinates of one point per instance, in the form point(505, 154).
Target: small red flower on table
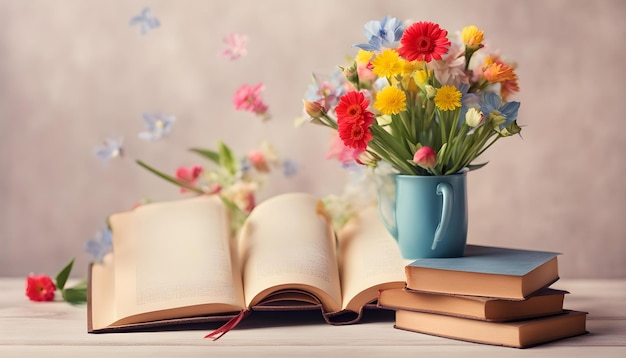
point(40, 288)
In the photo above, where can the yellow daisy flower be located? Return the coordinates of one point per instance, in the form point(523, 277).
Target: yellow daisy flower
point(387, 64)
point(448, 98)
point(391, 100)
point(363, 57)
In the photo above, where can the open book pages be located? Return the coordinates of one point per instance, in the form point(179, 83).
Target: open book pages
point(175, 261)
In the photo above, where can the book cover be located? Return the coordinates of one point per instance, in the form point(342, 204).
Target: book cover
point(546, 302)
point(517, 334)
point(485, 271)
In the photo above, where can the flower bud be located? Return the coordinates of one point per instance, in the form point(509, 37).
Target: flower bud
point(313, 109)
point(496, 118)
point(472, 36)
point(425, 157)
point(511, 129)
point(430, 91)
point(474, 117)
point(367, 159)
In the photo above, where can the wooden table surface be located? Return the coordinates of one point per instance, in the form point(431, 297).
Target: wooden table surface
point(57, 329)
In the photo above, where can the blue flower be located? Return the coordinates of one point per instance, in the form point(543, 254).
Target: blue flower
point(491, 102)
point(326, 91)
point(100, 245)
point(382, 33)
point(158, 126)
point(145, 21)
point(468, 100)
point(290, 168)
point(110, 149)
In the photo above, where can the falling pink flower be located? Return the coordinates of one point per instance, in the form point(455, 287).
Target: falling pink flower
point(248, 98)
point(258, 160)
point(236, 46)
point(189, 175)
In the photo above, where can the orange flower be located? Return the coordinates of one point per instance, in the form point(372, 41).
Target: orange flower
point(495, 71)
point(498, 72)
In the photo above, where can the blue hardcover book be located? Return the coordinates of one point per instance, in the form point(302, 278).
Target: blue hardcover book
point(485, 271)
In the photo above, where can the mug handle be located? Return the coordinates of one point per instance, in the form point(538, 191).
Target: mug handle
point(444, 189)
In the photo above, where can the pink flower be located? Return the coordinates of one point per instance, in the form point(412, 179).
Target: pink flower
point(425, 157)
point(40, 288)
point(258, 160)
point(189, 175)
point(343, 153)
point(365, 72)
point(236, 46)
point(248, 98)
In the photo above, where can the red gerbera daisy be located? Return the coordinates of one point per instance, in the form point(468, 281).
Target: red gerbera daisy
point(354, 120)
point(355, 134)
point(352, 107)
point(424, 41)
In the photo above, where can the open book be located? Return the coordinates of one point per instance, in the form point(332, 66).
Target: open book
point(176, 262)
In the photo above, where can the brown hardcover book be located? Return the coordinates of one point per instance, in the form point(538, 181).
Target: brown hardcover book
point(485, 271)
point(176, 262)
point(544, 303)
point(518, 334)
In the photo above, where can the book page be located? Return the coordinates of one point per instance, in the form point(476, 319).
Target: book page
point(102, 296)
point(286, 243)
point(369, 260)
point(175, 255)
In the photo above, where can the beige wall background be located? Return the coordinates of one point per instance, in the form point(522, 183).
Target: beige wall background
point(74, 72)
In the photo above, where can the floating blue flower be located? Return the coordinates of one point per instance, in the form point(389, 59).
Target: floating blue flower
point(145, 21)
point(383, 33)
point(157, 126)
point(110, 149)
point(290, 168)
point(491, 102)
point(100, 245)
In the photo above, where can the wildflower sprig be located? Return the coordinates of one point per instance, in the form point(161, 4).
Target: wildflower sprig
point(417, 87)
point(235, 180)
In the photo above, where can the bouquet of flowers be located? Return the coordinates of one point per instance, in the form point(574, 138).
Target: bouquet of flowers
point(422, 100)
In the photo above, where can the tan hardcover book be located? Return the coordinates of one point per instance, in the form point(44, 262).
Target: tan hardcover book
point(488, 271)
point(518, 334)
point(176, 262)
point(544, 303)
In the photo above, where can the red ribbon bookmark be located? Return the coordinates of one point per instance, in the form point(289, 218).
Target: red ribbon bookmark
point(218, 333)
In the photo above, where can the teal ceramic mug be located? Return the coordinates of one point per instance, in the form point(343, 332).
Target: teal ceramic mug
point(427, 215)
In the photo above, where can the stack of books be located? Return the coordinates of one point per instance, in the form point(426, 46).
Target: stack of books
point(491, 295)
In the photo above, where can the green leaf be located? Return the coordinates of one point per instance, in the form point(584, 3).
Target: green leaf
point(237, 216)
point(75, 295)
point(210, 154)
point(62, 276)
point(476, 166)
point(169, 178)
point(227, 159)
